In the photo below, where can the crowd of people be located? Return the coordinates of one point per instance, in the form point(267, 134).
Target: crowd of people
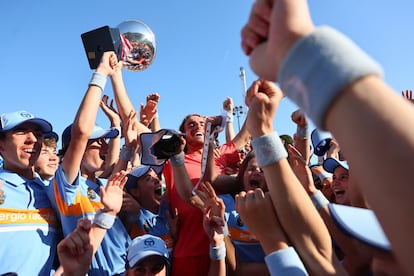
point(254, 204)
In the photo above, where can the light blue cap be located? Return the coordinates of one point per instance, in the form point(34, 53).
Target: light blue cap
point(97, 132)
point(12, 120)
point(361, 224)
point(145, 246)
point(330, 164)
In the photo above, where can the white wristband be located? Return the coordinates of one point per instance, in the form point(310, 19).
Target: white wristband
point(126, 153)
point(319, 200)
point(104, 220)
point(269, 149)
point(218, 253)
point(98, 80)
point(324, 175)
point(177, 160)
point(302, 132)
point(317, 69)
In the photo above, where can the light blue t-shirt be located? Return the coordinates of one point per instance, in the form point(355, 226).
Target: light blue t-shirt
point(29, 228)
point(248, 248)
point(82, 199)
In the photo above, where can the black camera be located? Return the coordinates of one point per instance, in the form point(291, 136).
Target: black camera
point(167, 146)
point(158, 147)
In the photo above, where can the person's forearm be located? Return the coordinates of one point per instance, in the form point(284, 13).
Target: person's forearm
point(292, 201)
point(380, 155)
point(182, 181)
point(123, 102)
point(122, 99)
point(229, 131)
point(303, 146)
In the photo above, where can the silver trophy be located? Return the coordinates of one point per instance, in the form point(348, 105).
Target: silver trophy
point(132, 40)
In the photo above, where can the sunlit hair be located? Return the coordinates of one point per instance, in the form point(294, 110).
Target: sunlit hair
point(50, 142)
point(182, 126)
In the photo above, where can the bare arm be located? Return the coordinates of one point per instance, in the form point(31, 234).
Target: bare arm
point(112, 155)
point(383, 112)
point(85, 120)
point(228, 106)
point(123, 102)
point(289, 198)
point(301, 137)
point(182, 181)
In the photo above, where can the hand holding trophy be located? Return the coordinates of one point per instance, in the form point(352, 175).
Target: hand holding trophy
point(132, 40)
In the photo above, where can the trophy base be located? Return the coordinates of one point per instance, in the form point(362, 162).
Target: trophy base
point(101, 40)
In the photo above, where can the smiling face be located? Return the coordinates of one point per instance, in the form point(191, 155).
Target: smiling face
point(340, 186)
point(20, 148)
point(47, 163)
point(193, 127)
point(148, 191)
point(253, 177)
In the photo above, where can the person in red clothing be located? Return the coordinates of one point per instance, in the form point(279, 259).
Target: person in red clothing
point(191, 251)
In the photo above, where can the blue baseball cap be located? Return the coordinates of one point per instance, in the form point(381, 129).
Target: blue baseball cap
point(320, 141)
point(330, 164)
point(145, 246)
point(361, 224)
point(138, 172)
point(9, 121)
point(97, 133)
point(51, 135)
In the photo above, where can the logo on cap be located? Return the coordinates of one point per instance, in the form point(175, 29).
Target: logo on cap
point(26, 115)
point(149, 242)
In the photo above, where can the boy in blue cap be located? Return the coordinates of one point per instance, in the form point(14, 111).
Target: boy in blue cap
point(26, 213)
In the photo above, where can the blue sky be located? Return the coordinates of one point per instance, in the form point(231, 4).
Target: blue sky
point(44, 69)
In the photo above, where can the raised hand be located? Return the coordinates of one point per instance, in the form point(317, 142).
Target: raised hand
point(273, 27)
point(262, 98)
point(108, 64)
point(130, 130)
point(228, 105)
point(75, 250)
point(214, 226)
point(257, 212)
point(207, 194)
point(299, 118)
point(112, 194)
point(148, 111)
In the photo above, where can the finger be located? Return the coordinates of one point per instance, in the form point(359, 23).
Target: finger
point(240, 199)
point(258, 193)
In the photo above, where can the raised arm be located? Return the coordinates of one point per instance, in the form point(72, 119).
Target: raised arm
point(228, 107)
point(149, 112)
point(114, 144)
point(301, 137)
point(307, 231)
point(123, 102)
point(86, 116)
point(274, 54)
